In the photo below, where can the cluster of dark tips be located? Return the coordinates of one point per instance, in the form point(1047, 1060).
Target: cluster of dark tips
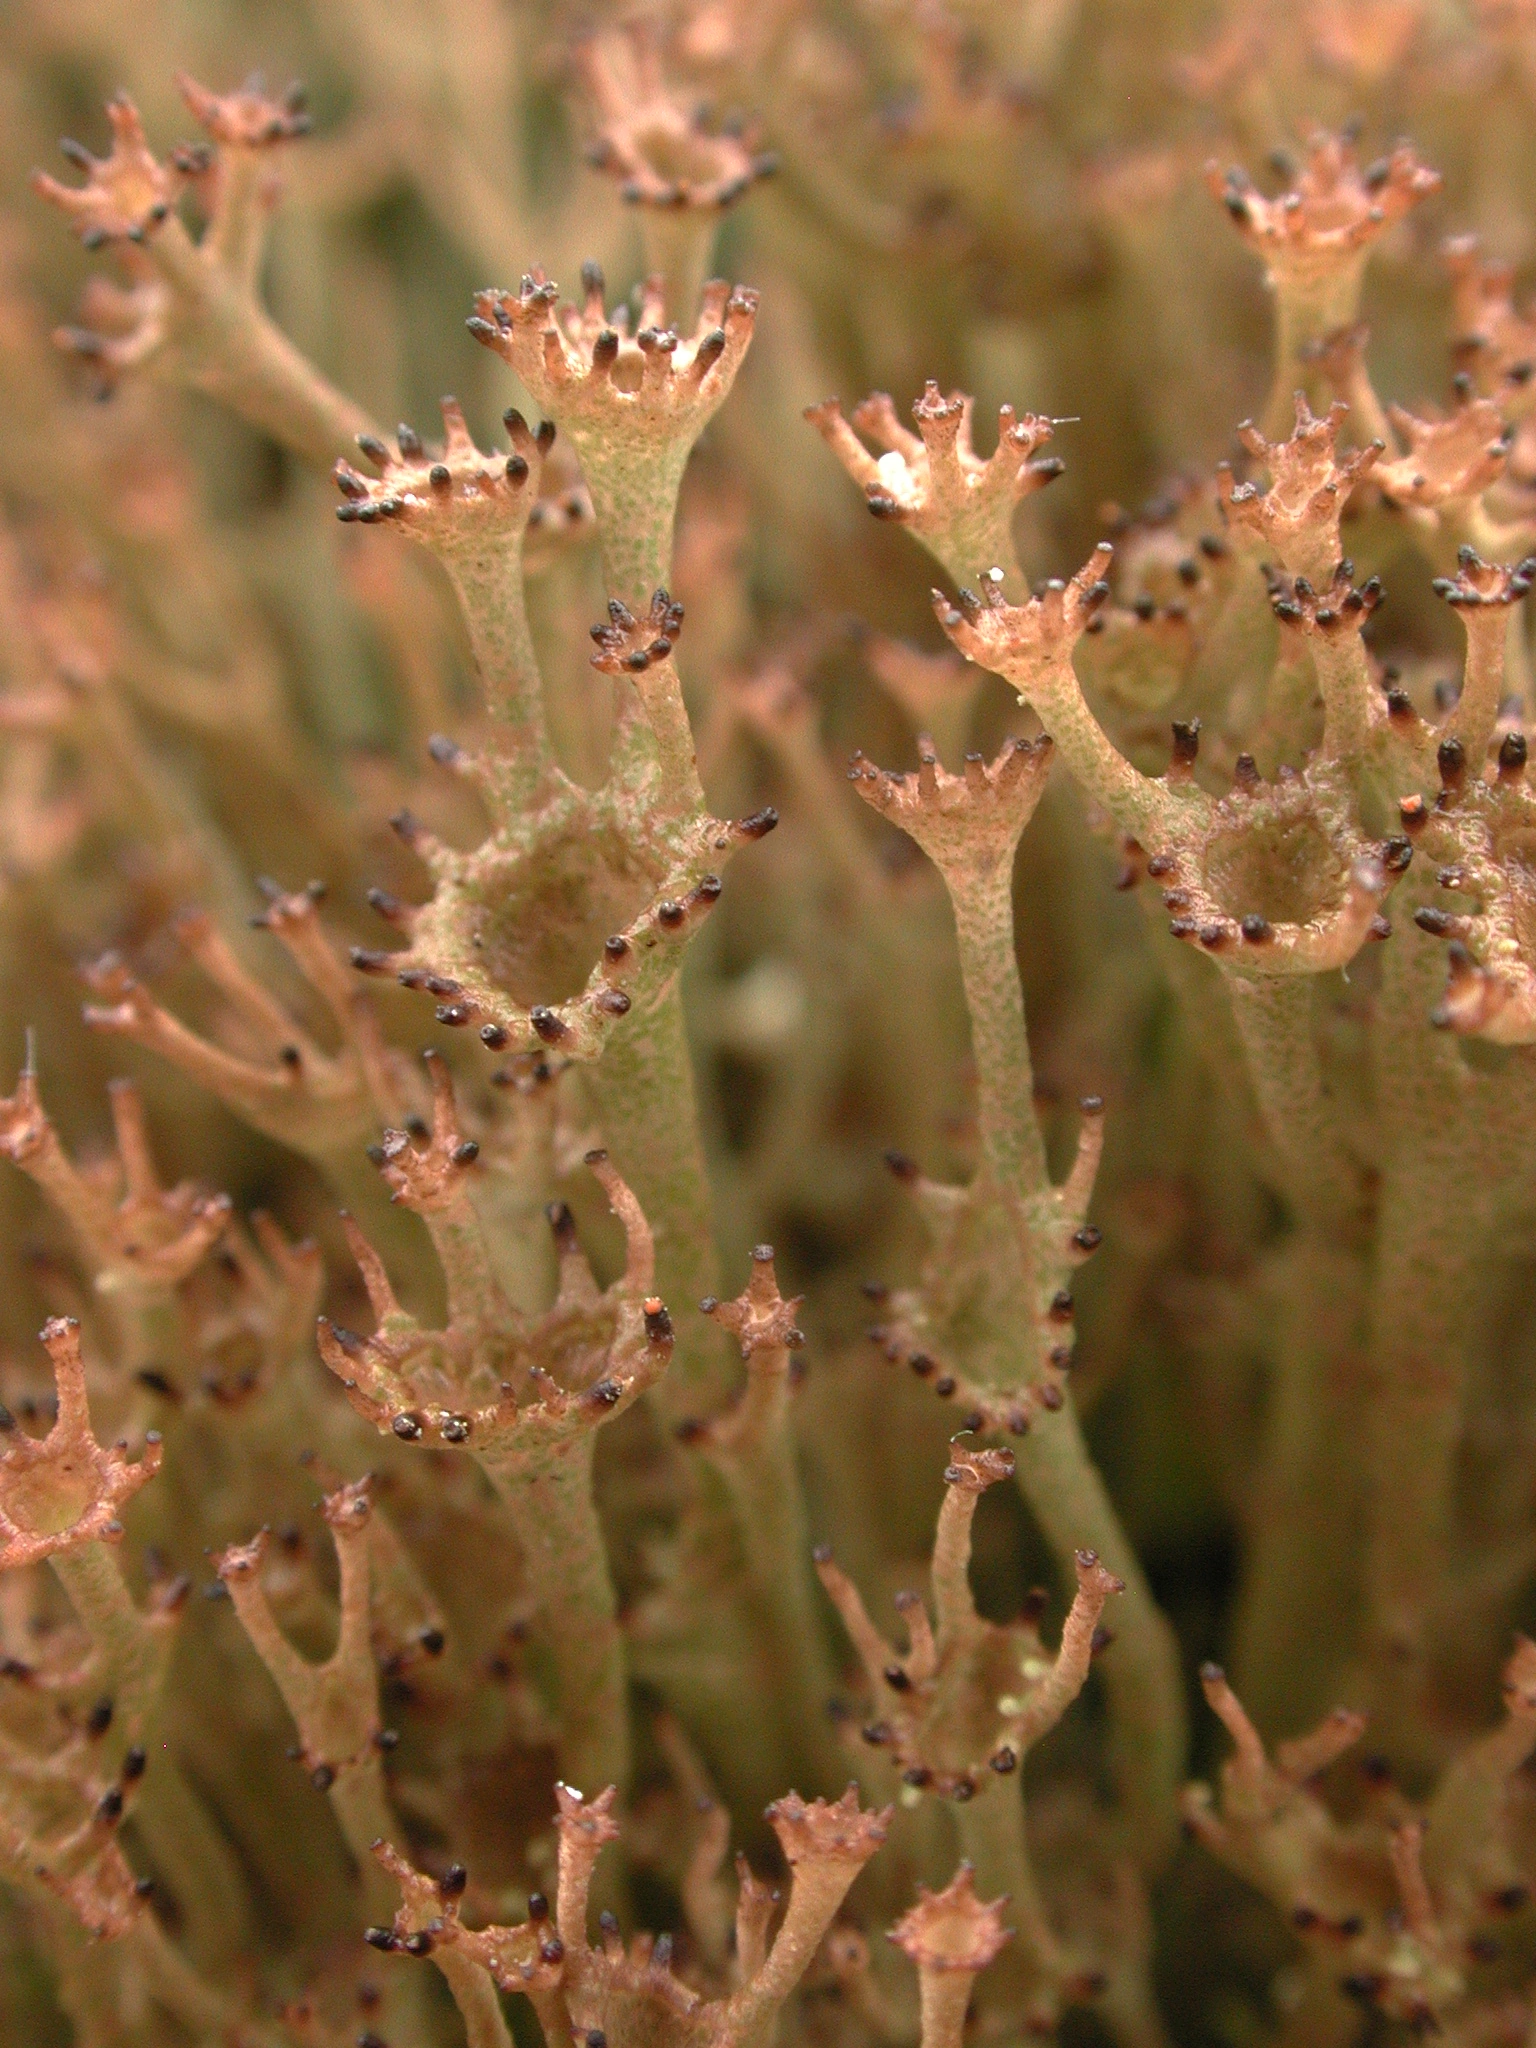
point(629, 645)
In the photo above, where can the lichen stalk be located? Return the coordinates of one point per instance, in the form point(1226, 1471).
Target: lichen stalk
point(1307, 1516)
point(489, 587)
point(752, 1448)
point(1068, 1497)
point(1010, 1131)
point(133, 1652)
point(485, 2024)
point(551, 1508)
point(643, 1087)
point(1277, 1026)
point(1440, 1197)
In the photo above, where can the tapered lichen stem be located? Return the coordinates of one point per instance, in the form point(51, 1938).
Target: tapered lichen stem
point(1475, 714)
point(1453, 1143)
point(635, 498)
point(489, 586)
point(361, 1806)
point(992, 1841)
point(1141, 805)
point(1305, 1522)
point(944, 1999)
point(238, 230)
point(1306, 1502)
point(396, 1233)
point(1010, 1134)
point(1054, 1469)
point(1276, 1022)
point(1345, 681)
point(193, 1858)
point(188, 1850)
point(553, 1513)
point(761, 1475)
point(264, 378)
point(665, 736)
point(334, 1703)
point(1068, 1498)
point(204, 2011)
point(134, 1656)
point(644, 1090)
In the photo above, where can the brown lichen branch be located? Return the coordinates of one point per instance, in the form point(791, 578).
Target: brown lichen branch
point(525, 1396)
point(826, 1844)
point(659, 153)
point(968, 1696)
point(58, 1838)
point(427, 1923)
point(190, 311)
point(1388, 1906)
point(62, 1498)
point(435, 1174)
point(1030, 646)
point(127, 194)
point(648, 857)
point(640, 651)
point(753, 1448)
point(677, 167)
point(238, 183)
point(763, 1325)
point(1003, 1248)
point(970, 825)
point(1310, 481)
point(628, 1993)
point(1483, 596)
point(1447, 463)
point(325, 1104)
point(139, 1239)
point(1495, 342)
point(1477, 830)
point(334, 1704)
point(958, 1713)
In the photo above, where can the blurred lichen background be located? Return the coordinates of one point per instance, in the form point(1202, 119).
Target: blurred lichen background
point(576, 1314)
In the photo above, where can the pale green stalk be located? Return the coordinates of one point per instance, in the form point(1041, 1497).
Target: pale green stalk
point(489, 587)
point(1141, 1675)
point(643, 1086)
point(1454, 1153)
point(1056, 1474)
point(1010, 1132)
point(636, 502)
point(552, 1511)
point(1276, 1023)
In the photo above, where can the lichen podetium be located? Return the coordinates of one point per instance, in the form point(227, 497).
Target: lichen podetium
point(748, 1306)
